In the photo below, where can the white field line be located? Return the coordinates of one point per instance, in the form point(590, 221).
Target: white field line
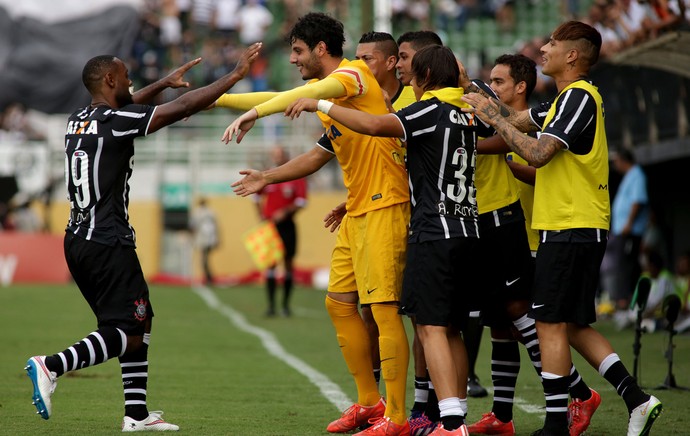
point(329, 390)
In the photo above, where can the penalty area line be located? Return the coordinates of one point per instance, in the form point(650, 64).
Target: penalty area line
point(329, 390)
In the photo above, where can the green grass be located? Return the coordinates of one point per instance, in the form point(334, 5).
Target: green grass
point(212, 378)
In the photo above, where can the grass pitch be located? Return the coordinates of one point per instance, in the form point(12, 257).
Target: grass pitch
point(228, 370)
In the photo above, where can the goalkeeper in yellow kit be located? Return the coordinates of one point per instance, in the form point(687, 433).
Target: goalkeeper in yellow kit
point(369, 256)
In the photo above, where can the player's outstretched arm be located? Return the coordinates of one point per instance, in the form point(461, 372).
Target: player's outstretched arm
point(252, 182)
point(243, 102)
point(361, 122)
point(334, 217)
point(193, 101)
point(326, 88)
point(173, 80)
point(296, 168)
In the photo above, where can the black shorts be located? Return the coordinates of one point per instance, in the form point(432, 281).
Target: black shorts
point(566, 281)
point(111, 281)
point(288, 233)
point(439, 275)
point(505, 272)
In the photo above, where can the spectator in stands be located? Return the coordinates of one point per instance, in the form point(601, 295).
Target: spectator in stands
point(15, 123)
point(170, 28)
point(633, 17)
point(457, 11)
point(597, 17)
point(254, 20)
point(185, 9)
point(227, 19)
point(201, 19)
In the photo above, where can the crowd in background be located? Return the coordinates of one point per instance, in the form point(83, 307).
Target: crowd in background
point(175, 31)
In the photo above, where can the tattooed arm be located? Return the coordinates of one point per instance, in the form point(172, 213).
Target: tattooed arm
point(520, 119)
point(538, 152)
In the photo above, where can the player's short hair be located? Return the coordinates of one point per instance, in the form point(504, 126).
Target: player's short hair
point(586, 37)
point(95, 69)
point(435, 66)
point(315, 27)
point(420, 39)
point(384, 42)
point(522, 69)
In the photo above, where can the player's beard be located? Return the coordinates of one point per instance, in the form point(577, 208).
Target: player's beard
point(312, 69)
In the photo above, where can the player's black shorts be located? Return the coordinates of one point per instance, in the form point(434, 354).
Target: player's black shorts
point(111, 281)
point(505, 272)
point(438, 278)
point(566, 281)
point(288, 233)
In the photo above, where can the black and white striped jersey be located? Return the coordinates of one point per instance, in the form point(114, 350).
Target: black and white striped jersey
point(99, 158)
point(441, 158)
point(575, 122)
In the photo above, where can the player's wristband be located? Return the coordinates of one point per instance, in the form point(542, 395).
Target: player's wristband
point(324, 106)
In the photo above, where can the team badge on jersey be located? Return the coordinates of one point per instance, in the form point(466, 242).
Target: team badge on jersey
point(140, 311)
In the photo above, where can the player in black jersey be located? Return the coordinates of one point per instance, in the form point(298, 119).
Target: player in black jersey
point(99, 242)
point(572, 213)
point(441, 150)
point(504, 247)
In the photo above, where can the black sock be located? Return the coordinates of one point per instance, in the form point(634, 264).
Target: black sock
point(89, 351)
point(625, 384)
point(578, 387)
point(432, 411)
point(135, 372)
point(472, 336)
point(421, 393)
point(271, 290)
point(452, 422)
point(505, 366)
point(287, 283)
point(556, 395)
point(528, 337)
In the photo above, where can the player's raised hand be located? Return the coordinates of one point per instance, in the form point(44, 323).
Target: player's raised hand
point(335, 217)
point(473, 99)
point(252, 182)
point(298, 106)
point(176, 78)
point(248, 56)
point(488, 110)
point(240, 126)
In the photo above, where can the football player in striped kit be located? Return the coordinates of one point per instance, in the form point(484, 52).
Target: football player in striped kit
point(100, 242)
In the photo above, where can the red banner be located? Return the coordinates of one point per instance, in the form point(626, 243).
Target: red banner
point(32, 258)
